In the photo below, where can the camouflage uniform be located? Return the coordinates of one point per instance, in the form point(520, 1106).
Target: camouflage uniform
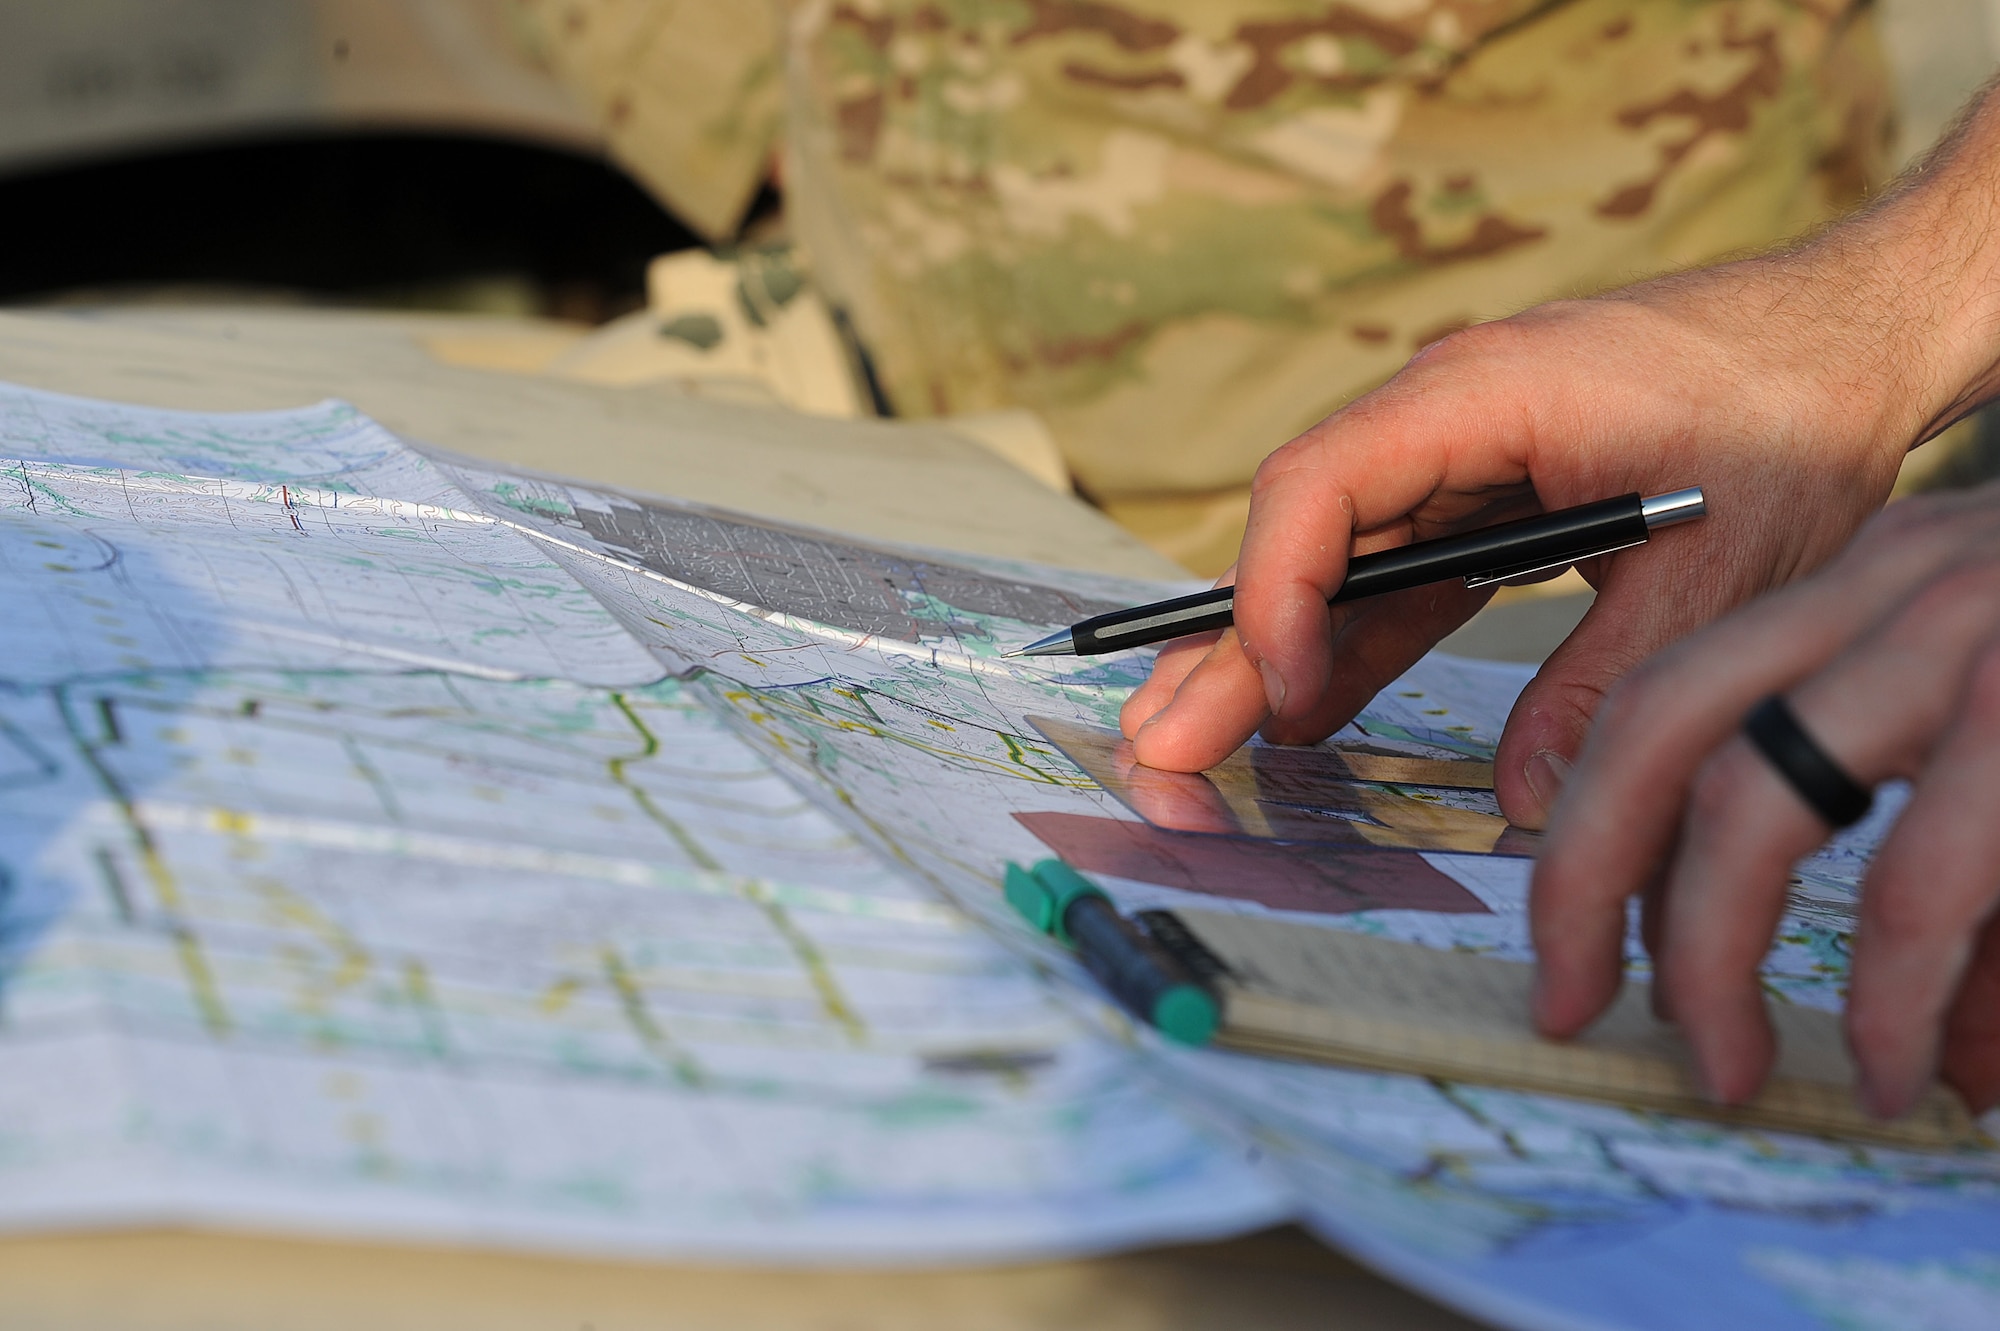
point(687, 90)
point(1183, 230)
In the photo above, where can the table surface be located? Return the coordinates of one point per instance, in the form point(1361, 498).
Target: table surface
point(886, 480)
point(901, 481)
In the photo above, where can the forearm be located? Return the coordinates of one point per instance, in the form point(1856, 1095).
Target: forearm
point(1872, 335)
point(1927, 263)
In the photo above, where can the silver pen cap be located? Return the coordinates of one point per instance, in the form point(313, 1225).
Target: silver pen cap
point(1676, 506)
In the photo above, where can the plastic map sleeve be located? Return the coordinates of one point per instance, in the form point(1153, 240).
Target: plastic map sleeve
point(360, 873)
point(873, 679)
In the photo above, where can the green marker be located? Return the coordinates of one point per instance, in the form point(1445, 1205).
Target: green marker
point(1138, 972)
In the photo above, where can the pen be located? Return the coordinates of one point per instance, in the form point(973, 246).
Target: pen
point(1483, 557)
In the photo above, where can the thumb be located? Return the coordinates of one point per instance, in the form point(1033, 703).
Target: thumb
point(1546, 729)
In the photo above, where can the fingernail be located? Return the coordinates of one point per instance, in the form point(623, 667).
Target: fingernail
point(1274, 686)
point(1546, 771)
point(1881, 1099)
point(1538, 1000)
point(1704, 1075)
point(1869, 1093)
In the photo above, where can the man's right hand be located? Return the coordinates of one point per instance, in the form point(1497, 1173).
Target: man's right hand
point(1787, 387)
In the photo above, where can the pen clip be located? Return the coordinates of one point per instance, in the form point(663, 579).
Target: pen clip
point(1487, 579)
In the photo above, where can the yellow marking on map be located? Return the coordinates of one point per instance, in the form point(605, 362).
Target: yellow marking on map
point(632, 1001)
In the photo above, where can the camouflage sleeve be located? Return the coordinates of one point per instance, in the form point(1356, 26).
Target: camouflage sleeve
point(1182, 230)
point(688, 92)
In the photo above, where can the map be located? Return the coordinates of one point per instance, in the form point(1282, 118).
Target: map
point(1523, 1209)
point(390, 845)
point(360, 874)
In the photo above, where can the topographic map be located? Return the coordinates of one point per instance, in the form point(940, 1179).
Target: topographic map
point(394, 845)
point(1524, 1209)
point(358, 872)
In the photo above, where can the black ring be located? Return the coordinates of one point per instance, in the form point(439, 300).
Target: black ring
point(1815, 778)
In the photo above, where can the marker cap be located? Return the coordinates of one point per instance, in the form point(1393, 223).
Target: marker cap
point(1044, 894)
point(1187, 1014)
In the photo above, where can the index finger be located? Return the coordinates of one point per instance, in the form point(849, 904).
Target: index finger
point(1362, 470)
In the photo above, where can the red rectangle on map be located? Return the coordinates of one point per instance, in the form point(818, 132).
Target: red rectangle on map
point(1329, 880)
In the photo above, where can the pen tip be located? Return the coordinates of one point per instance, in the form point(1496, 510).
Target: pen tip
point(1056, 644)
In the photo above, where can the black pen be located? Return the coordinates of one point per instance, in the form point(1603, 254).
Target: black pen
point(1483, 557)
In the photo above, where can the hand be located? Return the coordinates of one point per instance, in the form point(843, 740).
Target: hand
point(1890, 659)
point(1683, 383)
point(1787, 387)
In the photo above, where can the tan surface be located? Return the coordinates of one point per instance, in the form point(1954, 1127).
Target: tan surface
point(118, 76)
point(889, 480)
point(184, 1282)
point(901, 482)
